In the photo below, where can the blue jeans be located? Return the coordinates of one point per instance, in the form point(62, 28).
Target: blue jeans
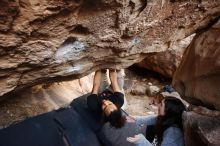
point(172, 136)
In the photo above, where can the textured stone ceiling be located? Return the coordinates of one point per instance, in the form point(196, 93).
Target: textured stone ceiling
point(53, 40)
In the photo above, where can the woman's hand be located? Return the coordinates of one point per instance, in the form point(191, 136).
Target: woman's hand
point(134, 139)
point(139, 140)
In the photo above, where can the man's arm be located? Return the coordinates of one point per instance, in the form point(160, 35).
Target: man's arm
point(96, 82)
point(114, 80)
point(93, 101)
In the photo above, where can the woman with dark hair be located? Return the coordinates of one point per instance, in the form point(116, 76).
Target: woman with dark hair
point(166, 127)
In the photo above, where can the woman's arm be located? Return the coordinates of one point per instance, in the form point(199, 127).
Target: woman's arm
point(96, 82)
point(146, 120)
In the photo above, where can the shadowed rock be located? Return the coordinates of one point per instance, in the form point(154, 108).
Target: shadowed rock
point(198, 77)
point(201, 130)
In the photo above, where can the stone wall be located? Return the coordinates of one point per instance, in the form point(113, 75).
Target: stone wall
point(198, 81)
point(198, 77)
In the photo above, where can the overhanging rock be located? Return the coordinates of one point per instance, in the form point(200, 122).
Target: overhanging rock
point(46, 41)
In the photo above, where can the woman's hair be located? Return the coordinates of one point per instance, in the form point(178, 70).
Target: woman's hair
point(173, 116)
point(116, 119)
point(159, 97)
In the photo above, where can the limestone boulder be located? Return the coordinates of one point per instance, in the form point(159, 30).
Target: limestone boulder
point(152, 90)
point(49, 40)
point(201, 130)
point(198, 77)
point(139, 89)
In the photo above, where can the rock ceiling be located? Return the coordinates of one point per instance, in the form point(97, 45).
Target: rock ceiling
point(55, 40)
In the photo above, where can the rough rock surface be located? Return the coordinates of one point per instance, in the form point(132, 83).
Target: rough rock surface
point(166, 62)
point(52, 40)
point(200, 130)
point(144, 89)
point(139, 89)
point(198, 76)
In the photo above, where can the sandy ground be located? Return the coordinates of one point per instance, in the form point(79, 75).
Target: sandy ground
point(139, 105)
point(41, 99)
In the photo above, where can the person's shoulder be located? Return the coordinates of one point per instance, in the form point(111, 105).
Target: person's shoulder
point(117, 98)
point(118, 94)
point(94, 102)
point(92, 97)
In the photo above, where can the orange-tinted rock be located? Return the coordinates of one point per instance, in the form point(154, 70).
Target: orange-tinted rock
point(198, 76)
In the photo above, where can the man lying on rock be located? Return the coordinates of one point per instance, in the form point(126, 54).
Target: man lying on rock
point(107, 101)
